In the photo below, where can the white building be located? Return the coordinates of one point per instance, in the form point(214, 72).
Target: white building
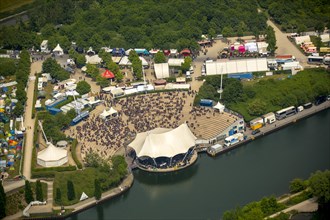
point(44, 46)
point(162, 70)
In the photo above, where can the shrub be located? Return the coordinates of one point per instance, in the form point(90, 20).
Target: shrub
point(297, 185)
point(70, 190)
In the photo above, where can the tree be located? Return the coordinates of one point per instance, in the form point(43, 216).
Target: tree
point(28, 192)
point(39, 193)
point(318, 43)
point(58, 197)
point(7, 67)
point(3, 202)
point(71, 114)
point(83, 87)
point(319, 183)
point(297, 185)
point(19, 109)
point(185, 66)
point(271, 39)
point(269, 205)
point(80, 60)
point(256, 107)
point(160, 57)
point(92, 70)
point(97, 189)
point(70, 190)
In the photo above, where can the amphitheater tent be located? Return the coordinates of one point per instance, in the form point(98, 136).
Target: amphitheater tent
point(83, 196)
point(58, 50)
point(52, 156)
point(162, 142)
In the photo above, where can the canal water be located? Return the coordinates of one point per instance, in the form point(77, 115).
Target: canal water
point(205, 190)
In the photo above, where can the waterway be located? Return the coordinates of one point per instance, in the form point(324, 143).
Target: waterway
point(213, 185)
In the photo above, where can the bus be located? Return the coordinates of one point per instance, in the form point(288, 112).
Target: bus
point(281, 114)
point(233, 139)
point(315, 60)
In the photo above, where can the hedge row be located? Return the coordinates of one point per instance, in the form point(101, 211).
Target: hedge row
point(74, 155)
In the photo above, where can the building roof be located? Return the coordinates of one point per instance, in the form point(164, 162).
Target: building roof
point(236, 66)
point(52, 153)
point(163, 142)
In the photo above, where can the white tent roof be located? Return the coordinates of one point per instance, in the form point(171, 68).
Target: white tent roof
point(58, 48)
point(162, 70)
point(162, 142)
point(52, 153)
point(175, 61)
point(236, 66)
point(112, 111)
point(125, 61)
point(219, 106)
point(93, 59)
point(83, 196)
point(325, 38)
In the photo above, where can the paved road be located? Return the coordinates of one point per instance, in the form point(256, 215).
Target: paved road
point(29, 122)
point(285, 46)
point(309, 205)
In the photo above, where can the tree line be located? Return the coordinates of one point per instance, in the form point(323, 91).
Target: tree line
point(133, 24)
point(299, 15)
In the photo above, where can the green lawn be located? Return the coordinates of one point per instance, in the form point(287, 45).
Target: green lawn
point(83, 181)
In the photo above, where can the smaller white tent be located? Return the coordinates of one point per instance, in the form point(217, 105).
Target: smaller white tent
point(302, 39)
point(52, 156)
point(325, 38)
point(58, 50)
point(95, 59)
point(83, 196)
point(107, 113)
point(220, 107)
point(175, 61)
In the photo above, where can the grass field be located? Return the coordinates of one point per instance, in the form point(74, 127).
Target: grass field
point(83, 181)
point(12, 5)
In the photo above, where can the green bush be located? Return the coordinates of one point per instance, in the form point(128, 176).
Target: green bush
point(297, 185)
point(70, 189)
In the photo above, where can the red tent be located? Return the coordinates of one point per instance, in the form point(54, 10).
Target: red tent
point(185, 52)
point(108, 74)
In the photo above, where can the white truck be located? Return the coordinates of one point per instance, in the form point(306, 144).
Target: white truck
point(233, 139)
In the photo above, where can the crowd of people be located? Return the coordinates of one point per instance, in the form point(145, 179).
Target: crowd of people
point(137, 114)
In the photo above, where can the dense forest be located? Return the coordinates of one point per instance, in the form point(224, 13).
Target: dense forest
point(141, 23)
point(299, 15)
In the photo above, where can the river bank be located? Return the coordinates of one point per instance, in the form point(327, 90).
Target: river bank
point(278, 125)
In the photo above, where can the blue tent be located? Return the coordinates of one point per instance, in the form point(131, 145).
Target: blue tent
point(118, 52)
point(241, 76)
point(142, 51)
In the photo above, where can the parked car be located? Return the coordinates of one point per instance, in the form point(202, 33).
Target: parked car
point(254, 132)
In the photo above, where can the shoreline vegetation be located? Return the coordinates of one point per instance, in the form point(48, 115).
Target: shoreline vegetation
point(318, 185)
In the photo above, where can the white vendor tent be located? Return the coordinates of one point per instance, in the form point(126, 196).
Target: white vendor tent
point(177, 86)
point(219, 106)
point(251, 47)
point(106, 113)
point(58, 50)
point(125, 61)
point(236, 66)
point(83, 196)
point(162, 142)
point(175, 61)
point(302, 39)
point(162, 70)
point(325, 38)
point(95, 59)
point(52, 156)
